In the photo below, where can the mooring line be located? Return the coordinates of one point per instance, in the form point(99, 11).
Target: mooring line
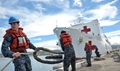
point(46, 61)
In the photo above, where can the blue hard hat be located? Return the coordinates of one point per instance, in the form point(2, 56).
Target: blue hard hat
point(13, 19)
point(63, 31)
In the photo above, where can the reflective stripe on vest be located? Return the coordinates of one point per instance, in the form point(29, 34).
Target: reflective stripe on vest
point(19, 43)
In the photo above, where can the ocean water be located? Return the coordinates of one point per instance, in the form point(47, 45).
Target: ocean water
point(36, 66)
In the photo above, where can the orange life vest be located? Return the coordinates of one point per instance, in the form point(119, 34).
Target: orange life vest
point(20, 41)
point(66, 39)
point(88, 48)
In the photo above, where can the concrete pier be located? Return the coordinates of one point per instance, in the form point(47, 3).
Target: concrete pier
point(105, 63)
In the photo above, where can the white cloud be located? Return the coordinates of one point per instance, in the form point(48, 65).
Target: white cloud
point(115, 40)
point(2, 32)
point(40, 24)
point(114, 37)
point(62, 4)
point(8, 3)
point(114, 1)
point(46, 24)
point(2, 12)
point(35, 24)
point(38, 39)
point(39, 7)
point(97, 0)
point(77, 3)
point(39, 0)
point(102, 12)
point(108, 22)
point(112, 34)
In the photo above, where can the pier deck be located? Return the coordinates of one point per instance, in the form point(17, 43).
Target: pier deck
point(108, 64)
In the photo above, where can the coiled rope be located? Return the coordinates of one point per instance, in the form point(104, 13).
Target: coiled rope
point(46, 61)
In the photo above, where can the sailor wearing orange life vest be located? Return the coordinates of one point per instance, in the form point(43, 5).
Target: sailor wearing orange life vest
point(69, 54)
point(16, 42)
point(88, 49)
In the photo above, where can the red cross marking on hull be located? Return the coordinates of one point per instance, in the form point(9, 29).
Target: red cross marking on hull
point(85, 29)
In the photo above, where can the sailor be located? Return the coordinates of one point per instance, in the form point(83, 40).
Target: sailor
point(88, 50)
point(69, 54)
point(16, 42)
point(96, 51)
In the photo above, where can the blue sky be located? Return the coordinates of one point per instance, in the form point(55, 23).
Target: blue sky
point(40, 17)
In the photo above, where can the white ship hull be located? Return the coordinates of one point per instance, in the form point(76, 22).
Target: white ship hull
point(79, 37)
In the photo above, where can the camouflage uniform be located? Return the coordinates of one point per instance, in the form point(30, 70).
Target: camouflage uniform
point(69, 58)
point(88, 55)
point(22, 63)
point(88, 58)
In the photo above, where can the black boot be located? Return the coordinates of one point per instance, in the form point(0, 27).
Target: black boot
point(89, 65)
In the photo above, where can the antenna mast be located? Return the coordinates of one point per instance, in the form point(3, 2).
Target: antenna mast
point(79, 19)
point(56, 23)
